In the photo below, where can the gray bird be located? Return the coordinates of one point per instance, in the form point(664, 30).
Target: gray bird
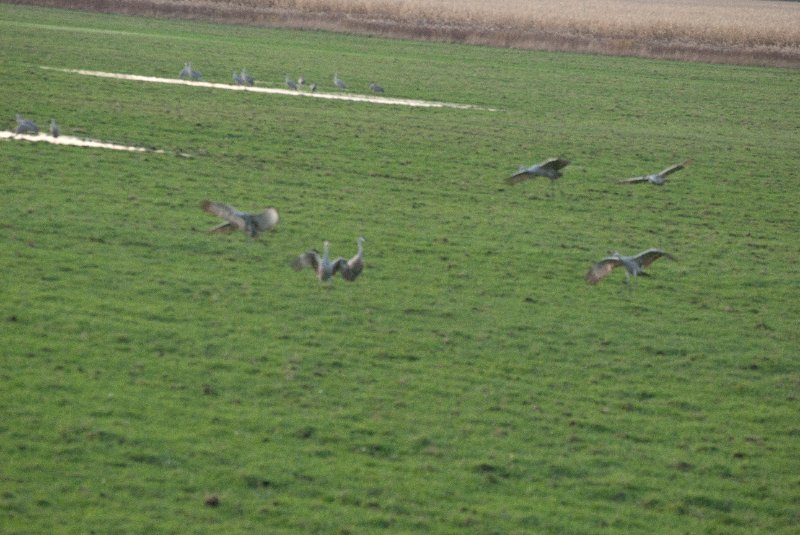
point(375, 88)
point(658, 178)
point(313, 87)
point(290, 83)
point(634, 265)
point(196, 75)
point(26, 126)
point(237, 78)
point(251, 224)
point(301, 80)
point(338, 82)
point(55, 131)
point(355, 265)
point(550, 168)
point(323, 266)
point(247, 79)
point(186, 72)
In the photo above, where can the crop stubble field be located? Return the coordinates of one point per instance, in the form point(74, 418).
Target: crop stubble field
point(470, 380)
point(758, 32)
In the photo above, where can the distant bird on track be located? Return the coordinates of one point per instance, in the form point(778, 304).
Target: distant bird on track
point(237, 78)
point(322, 265)
point(301, 80)
point(550, 168)
point(251, 224)
point(375, 88)
point(313, 87)
point(25, 126)
point(338, 82)
point(189, 72)
point(55, 131)
point(355, 265)
point(247, 79)
point(186, 72)
point(658, 178)
point(634, 265)
point(290, 83)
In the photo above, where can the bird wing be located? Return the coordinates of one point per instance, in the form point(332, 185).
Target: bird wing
point(225, 211)
point(601, 270)
point(554, 163)
point(224, 227)
point(645, 258)
point(267, 220)
point(677, 167)
point(339, 264)
point(634, 180)
point(516, 178)
point(307, 259)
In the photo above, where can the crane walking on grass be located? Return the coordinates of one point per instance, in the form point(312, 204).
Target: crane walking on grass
point(322, 265)
point(338, 82)
point(250, 224)
point(55, 131)
point(659, 179)
point(189, 72)
point(26, 126)
point(634, 265)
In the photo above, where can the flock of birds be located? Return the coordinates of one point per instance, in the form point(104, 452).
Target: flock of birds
point(243, 78)
point(633, 265)
point(254, 224)
point(326, 268)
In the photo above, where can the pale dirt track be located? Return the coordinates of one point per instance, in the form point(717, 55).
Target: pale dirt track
point(74, 141)
point(275, 91)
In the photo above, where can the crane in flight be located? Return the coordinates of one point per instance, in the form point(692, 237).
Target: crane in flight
point(634, 265)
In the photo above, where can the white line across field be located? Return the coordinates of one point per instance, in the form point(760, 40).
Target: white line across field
point(74, 141)
point(274, 91)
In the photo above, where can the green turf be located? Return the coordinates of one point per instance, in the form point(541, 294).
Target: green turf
point(470, 380)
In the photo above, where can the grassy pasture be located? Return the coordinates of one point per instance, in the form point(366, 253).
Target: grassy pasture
point(470, 380)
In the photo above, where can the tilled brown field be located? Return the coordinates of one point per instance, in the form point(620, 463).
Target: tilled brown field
point(753, 32)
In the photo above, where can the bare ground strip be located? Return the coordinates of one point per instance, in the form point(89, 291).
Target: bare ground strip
point(276, 91)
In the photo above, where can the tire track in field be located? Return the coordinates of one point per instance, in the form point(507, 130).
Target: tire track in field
point(75, 141)
point(275, 91)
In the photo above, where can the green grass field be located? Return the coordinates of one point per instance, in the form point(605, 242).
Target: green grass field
point(470, 380)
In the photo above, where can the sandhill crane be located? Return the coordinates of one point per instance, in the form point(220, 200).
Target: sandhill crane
point(322, 265)
point(290, 83)
point(313, 87)
point(658, 178)
point(301, 80)
point(549, 168)
point(355, 265)
point(375, 88)
point(196, 75)
point(186, 72)
point(338, 82)
point(55, 131)
point(634, 265)
point(237, 78)
point(251, 224)
point(247, 79)
point(26, 126)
